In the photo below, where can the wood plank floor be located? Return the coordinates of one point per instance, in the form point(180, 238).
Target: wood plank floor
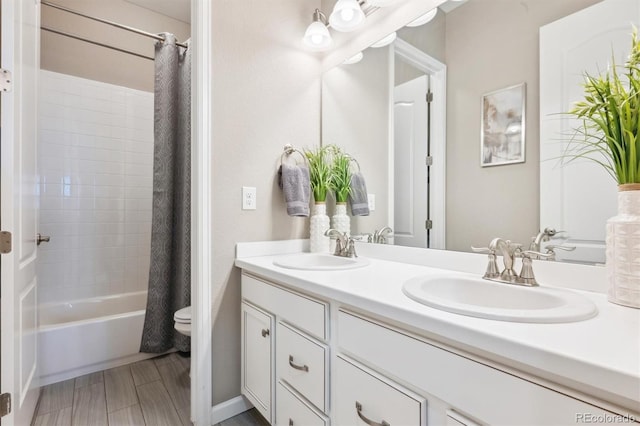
point(154, 392)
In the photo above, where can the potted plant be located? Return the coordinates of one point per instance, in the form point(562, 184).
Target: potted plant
point(320, 180)
point(340, 184)
point(610, 135)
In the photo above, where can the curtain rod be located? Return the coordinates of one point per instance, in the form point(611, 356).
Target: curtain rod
point(104, 21)
point(62, 33)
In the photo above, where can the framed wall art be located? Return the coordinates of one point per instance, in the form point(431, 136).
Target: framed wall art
point(503, 126)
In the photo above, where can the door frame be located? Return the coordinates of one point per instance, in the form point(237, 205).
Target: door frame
point(201, 212)
point(437, 72)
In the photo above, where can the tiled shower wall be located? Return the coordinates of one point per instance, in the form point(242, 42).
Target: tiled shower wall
point(95, 157)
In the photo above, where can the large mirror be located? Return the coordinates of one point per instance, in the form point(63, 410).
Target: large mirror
point(465, 57)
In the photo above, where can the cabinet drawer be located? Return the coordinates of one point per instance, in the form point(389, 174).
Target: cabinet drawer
point(481, 391)
point(366, 398)
point(291, 411)
point(302, 363)
point(305, 313)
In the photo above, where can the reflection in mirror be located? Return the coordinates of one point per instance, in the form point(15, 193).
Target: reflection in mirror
point(486, 45)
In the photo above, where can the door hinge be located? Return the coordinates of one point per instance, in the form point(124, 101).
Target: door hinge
point(428, 224)
point(5, 242)
point(429, 160)
point(5, 404)
point(6, 83)
point(429, 96)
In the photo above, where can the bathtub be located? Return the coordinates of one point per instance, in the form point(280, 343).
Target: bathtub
point(85, 336)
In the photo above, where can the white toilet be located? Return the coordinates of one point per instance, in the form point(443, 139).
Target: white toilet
point(182, 320)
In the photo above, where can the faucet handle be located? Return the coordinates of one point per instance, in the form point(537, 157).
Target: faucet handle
point(483, 250)
point(492, 266)
point(560, 247)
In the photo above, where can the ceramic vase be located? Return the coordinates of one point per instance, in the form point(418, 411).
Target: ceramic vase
point(623, 248)
point(319, 223)
point(340, 221)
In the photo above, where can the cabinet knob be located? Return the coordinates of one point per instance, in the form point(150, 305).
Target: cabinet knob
point(366, 420)
point(290, 422)
point(42, 239)
point(265, 332)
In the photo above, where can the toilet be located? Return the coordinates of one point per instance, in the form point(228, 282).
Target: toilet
point(182, 320)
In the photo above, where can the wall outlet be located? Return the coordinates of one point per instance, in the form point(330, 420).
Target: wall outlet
point(248, 198)
point(372, 202)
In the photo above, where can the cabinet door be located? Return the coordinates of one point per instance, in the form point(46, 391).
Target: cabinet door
point(257, 358)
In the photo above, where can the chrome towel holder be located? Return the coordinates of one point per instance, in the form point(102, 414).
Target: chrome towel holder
point(290, 150)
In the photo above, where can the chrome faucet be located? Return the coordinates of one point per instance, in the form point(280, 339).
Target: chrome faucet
point(510, 251)
point(546, 235)
point(345, 245)
point(379, 237)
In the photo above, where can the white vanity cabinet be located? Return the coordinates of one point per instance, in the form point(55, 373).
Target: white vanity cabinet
point(302, 366)
point(296, 362)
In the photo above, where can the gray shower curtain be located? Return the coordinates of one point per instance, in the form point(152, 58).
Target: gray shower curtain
point(170, 268)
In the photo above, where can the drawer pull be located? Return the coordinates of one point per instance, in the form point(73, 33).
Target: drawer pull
point(366, 420)
point(290, 422)
point(265, 332)
point(297, 367)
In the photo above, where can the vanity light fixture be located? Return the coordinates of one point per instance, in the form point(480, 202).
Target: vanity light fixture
point(354, 59)
point(385, 41)
point(317, 36)
point(347, 16)
point(421, 20)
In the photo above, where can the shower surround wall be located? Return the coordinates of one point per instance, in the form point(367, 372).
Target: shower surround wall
point(96, 166)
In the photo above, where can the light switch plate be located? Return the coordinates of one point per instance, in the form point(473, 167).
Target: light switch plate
point(248, 198)
point(372, 202)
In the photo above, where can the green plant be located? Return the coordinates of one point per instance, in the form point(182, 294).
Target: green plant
point(340, 173)
point(319, 172)
point(610, 114)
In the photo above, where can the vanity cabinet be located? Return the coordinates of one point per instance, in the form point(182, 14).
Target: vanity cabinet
point(302, 366)
point(298, 366)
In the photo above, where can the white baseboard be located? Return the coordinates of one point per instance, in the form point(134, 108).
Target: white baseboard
point(226, 410)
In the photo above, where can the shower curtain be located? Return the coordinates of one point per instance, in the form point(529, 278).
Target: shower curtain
point(170, 268)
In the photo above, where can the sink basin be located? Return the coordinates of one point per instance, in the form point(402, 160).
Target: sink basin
point(481, 298)
point(319, 262)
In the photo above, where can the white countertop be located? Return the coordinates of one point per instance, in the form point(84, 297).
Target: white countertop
point(599, 356)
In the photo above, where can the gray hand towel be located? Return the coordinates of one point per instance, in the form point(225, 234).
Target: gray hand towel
point(294, 182)
point(358, 196)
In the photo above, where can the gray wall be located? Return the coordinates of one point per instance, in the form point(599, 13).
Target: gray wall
point(266, 94)
point(68, 56)
point(492, 44)
point(363, 132)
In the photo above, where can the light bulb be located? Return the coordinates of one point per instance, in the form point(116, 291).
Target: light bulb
point(317, 36)
point(316, 39)
point(423, 19)
point(347, 14)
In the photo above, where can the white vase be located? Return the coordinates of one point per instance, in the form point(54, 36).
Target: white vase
point(340, 221)
point(319, 223)
point(623, 248)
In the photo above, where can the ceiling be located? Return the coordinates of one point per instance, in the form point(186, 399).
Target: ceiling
point(177, 9)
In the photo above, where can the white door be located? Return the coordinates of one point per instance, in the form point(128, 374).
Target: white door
point(580, 197)
point(18, 208)
point(410, 193)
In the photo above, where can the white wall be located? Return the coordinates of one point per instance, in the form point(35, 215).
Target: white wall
point(266, 90)
point(95, 161)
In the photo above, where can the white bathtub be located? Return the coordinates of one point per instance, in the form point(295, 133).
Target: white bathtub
point(85, 336)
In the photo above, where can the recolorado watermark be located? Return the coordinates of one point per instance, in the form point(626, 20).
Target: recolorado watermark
point(604, 418)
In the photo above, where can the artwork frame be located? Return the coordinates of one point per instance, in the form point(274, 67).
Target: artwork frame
point(503, 124)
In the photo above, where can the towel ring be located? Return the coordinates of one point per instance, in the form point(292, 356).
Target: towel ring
point(353, 160)
point(290, 150)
